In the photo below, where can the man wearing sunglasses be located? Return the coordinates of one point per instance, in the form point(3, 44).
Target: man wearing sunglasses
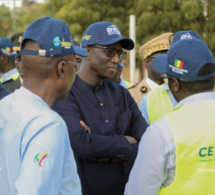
point(104, 122)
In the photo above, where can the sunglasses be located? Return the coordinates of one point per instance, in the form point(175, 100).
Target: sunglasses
point(110, 51)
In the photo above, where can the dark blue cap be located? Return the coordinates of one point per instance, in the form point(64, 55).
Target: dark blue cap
point(185, 59)
point(105, 33)
point(6, 47)
point(189, 34)
point(53, 37)
point(159, 63)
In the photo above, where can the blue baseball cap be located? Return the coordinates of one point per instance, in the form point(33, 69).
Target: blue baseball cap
point(53, 37)
point(180, 35)
point(189, 34)
point(105, 33)
point(6, 47)
point(185, 59)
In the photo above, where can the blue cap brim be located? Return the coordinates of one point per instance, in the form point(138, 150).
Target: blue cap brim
point(127, 43)
point(56, 52)
point(160, 63)
point(80, 51)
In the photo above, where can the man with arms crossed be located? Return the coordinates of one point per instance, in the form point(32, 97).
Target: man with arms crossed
point(106, 151)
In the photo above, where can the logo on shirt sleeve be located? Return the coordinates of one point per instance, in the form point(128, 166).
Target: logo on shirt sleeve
point(40, 157)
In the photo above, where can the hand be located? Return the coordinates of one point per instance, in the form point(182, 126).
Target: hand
point(131, 139)
point(85, 126)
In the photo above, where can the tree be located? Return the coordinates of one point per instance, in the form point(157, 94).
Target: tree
point(153, 17)
point(5, 21)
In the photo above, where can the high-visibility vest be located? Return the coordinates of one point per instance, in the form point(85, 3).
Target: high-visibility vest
point(12, 77)
point(158, 103)
point(124, 83)
point(193, 130)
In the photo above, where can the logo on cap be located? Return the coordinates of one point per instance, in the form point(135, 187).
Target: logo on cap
point(178, 63)
point(86, 37)
point(66, 44)
point(178, 67)
point(187, 36)
point(57, 43)
point(20, 39)
point(8, 49)
point(111, 30)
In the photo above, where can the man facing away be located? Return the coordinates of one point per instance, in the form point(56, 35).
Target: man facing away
point(35, 152)
point(103, 120)
point(175, 154)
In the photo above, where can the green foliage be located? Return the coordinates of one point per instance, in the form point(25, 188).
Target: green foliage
point(31, 12)
point(153, 17)
point(5, 21)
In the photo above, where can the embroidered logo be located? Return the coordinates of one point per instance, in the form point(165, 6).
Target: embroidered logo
point(111, 30)
point(86, 37)
point(8, 49)
point(187, 36)
point(179, 64)
point(20, 39)
point(40, 157)
point(66, 44)
point(56, 42)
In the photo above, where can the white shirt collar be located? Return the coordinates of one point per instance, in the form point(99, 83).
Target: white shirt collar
point(151, 83)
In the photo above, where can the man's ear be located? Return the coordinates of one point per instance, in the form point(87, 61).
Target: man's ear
point(4, 58)
point(176, 85)
point(61, 69)
point(88, 51)
point(147, 62)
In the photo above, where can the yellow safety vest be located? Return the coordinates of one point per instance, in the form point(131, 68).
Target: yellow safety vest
point(12, 77)
point(128, 84)
point(193, 129)
point(158, 104)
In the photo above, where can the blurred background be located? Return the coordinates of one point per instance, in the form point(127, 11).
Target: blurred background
point(152, 18)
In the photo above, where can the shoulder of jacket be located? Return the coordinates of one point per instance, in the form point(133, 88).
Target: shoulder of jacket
point(132, 86)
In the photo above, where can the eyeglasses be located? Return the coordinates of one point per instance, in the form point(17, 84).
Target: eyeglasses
point(71, 62)
point(110, 51)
